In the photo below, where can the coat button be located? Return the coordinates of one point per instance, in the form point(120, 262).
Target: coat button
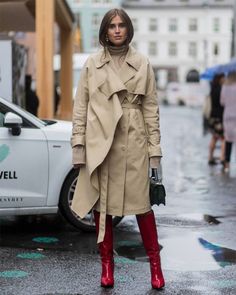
point(123, 148)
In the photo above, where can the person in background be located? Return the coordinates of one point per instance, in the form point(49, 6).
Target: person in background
point(115, 138)
point(31, 98)
point(228, 101)
point(216, 119)
point(57, 99)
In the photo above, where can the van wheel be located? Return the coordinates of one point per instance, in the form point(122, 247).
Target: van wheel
point(86, 224)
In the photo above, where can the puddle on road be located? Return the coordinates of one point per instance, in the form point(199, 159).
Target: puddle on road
point(191, 252)
point(187, 220)
point(133, 250)
point(188, 252)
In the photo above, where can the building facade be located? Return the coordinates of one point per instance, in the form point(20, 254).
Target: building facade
point(89, 14)
point(182, 37)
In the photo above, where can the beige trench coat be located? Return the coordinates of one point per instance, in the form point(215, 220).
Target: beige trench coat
point(116, 118)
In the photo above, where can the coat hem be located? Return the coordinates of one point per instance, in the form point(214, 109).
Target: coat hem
point(114, 212)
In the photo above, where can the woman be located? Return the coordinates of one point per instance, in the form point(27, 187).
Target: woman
point(216, 119)
point(228, 100)
point(115, 133)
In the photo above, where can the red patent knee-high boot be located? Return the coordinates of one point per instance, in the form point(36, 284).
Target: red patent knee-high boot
point(148, 230)
point(106, 252)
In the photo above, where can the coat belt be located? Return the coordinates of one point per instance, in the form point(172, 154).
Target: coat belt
point(128, 105)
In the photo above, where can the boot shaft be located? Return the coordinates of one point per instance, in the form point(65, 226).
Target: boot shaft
point(106, 246)
point(148, 231)
point(106, 251)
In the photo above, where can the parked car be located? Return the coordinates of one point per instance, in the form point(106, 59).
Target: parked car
point(36, 174)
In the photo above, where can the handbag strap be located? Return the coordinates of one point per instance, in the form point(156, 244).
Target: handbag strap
point(156, 174)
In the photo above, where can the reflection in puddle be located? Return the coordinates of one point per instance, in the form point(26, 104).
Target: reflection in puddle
point(210, 219)
point(224, 256)
point(193, 253)
point(132, 250)
point(184, 253)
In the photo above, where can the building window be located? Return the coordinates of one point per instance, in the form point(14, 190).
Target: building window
point(152, 48)
point(192, 25)
point(152, 24)
point(94, 41)
point(95, 20)
point(192, 49)
point(216, 49)
point(135, 24)
point(173, 25)
point(216, 24)
point(193, 76)
point(172, 49)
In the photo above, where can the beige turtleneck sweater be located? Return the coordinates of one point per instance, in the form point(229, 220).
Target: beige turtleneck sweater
point(118, 55)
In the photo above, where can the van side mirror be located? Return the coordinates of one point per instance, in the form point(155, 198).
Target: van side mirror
point(13, 122)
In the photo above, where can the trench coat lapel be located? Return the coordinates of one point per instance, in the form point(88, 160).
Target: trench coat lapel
point(112, 83)
point(130, 66)
point(109, 82)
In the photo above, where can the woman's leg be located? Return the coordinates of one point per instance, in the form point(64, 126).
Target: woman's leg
point(228, 149)
point(222, 150)
point(106, 251)
point(148, 231)
point(212, 145)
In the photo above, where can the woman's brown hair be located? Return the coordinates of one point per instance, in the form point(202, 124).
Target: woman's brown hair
point(106, 22)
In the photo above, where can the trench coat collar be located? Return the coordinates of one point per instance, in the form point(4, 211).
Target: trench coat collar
point(132, 58)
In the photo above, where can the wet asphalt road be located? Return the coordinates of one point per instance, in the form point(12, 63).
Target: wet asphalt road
point(45, 255)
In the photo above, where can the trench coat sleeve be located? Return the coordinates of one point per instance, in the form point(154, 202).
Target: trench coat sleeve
point(154, 162)
point(78, 155)
point(150, 111)
point(80, 110)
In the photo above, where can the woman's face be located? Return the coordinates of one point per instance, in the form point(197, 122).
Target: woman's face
point(117, 31)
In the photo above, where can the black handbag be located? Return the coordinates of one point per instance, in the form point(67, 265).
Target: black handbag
point(157, 190)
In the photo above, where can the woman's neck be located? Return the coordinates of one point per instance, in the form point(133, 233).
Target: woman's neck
point(118, 50)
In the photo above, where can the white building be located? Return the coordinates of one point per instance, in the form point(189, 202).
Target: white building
point(89, 14)
point(182, 37)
